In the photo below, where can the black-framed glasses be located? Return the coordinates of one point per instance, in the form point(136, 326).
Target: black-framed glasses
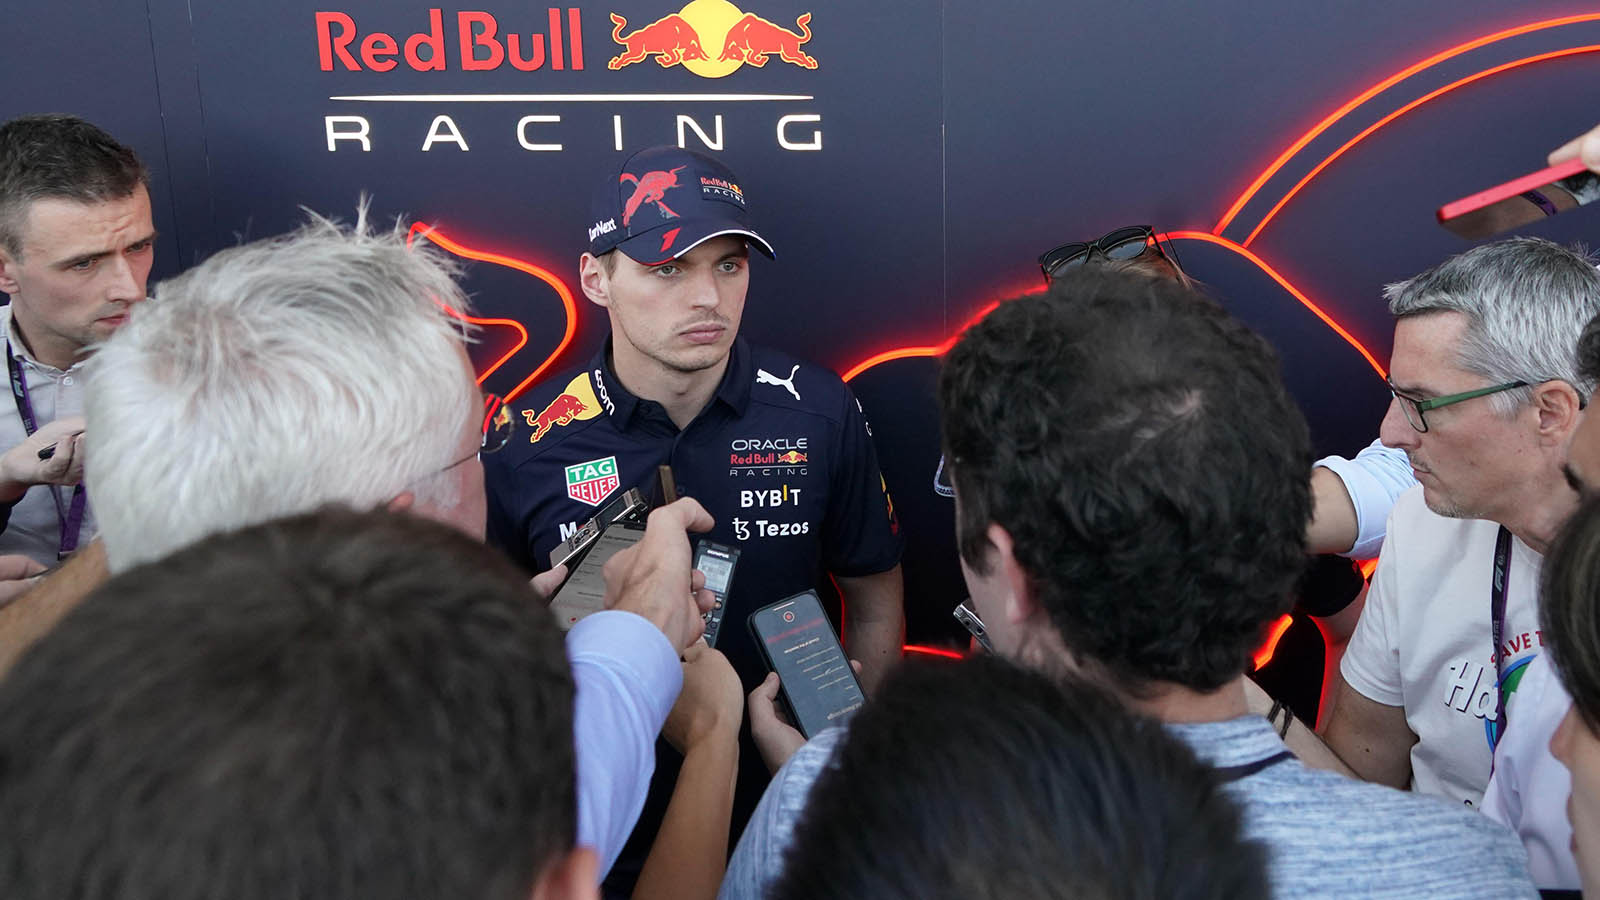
point(1416, 409)
point(965, 615)
point(1121, 244)
point(498, 423)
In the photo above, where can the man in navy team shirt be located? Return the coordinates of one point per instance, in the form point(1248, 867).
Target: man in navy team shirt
point(776, 449)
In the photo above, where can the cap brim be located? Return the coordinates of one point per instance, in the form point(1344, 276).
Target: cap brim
point(648, 249)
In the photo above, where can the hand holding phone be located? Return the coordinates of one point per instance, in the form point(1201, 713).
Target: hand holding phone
point(819, 686)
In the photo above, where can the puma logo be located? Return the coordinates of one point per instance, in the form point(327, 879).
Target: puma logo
point(765, 377)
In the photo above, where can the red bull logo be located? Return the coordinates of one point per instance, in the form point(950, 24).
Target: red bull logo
point(651, 187)
point(734, 36)
point(792, 458)
point(576, 403)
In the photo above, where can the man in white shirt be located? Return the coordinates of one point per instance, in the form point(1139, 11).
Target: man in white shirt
point(76, 244)
point(1487, 396)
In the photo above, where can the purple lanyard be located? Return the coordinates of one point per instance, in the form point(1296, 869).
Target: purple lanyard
point(1497, 628)
point(71, 520)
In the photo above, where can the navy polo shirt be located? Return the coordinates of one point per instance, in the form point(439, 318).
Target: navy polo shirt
point(781, 457)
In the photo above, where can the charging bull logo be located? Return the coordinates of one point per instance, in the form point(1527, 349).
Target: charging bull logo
point(670, 39)
point(681, 38)
point(651, 187)
point(575, 403)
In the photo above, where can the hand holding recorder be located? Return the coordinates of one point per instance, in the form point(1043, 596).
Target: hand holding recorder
point(655, 579)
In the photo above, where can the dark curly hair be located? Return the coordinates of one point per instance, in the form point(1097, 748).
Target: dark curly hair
point(1569, 609)
point(1139, 446)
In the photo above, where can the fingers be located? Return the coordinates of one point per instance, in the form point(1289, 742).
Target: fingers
point(855, 666)
point(694, 651)
point(545, 584)
point(14, 566)
point(1585, 145)
point(685, 513)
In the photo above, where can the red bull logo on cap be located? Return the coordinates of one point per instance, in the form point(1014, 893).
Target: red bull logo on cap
point(712, 38)
point(651, 187)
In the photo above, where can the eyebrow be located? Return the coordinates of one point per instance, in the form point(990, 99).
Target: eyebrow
point(71, 261)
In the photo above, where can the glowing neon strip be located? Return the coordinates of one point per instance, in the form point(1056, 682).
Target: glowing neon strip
point(522, 339)
point(570, 98)
point(933, 651)
point(1380, 87)
point(1270, 646)
point(1503, 67)
point(1284, 283)
point(939, 349)
point(568, 305)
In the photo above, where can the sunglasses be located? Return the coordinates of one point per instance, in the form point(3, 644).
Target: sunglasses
point(1119, 245)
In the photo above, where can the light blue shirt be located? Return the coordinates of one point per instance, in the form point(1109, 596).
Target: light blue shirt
point(1327, 835)
point(627, 676)
point(1374, 479)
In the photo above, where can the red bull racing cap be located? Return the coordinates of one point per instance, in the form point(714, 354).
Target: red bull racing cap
point(664, 201)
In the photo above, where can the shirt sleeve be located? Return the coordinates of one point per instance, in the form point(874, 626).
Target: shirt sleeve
point(627, 678)
point(758, 859)
point(1374, 480)
point(862, 534)
point(1371, 662)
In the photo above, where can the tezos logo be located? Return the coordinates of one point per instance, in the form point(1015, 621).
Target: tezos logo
point(592, 481)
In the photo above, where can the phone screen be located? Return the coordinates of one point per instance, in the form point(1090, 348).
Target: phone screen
point(584, 592)
point(801, 647)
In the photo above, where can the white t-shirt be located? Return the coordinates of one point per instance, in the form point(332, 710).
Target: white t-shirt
point(1423, 641)
point(1529, 790)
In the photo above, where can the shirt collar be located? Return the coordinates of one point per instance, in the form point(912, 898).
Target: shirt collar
point(20, 348)
point(733, 391)
point(1236, 742)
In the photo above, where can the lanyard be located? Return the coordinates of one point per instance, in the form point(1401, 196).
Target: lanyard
point(70, 519)
point(1497, 628)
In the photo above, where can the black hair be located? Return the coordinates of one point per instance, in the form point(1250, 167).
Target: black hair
point(1569, 609)
point(985, 780)
point(334, 705)
point(62, 157)
point(1140, 448)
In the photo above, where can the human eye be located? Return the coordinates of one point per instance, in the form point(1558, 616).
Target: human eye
point(141, 246)
point(666, 270)
point(731, 265)
point(83, 265)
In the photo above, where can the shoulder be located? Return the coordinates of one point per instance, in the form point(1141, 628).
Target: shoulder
point(1416, 843)
point(786, 382)
point(550, 415)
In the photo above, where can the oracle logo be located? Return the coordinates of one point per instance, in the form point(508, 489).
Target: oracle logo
point(479, 45)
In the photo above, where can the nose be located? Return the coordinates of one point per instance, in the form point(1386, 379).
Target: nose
point(703, 293)
point(1561, 741)
point(123, 283)
point(1396, 431)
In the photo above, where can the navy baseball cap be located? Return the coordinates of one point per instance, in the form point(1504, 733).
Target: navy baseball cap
point(664, 201)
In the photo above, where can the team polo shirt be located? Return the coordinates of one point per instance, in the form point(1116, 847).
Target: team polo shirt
point(781, 457)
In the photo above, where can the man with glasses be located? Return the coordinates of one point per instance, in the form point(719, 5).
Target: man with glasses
point(1487, 395)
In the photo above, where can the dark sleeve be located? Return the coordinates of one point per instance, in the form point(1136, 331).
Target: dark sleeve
point(502, 530)
point(861, 534)
point(1328, 585)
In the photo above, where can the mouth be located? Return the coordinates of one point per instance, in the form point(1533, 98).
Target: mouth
point(704, 333)
point(114, 320)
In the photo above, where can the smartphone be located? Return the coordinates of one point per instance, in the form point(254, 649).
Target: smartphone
point(716, 562)
point(584, 592)
point(1521, 201)
point(629, 507)
point(819, 687)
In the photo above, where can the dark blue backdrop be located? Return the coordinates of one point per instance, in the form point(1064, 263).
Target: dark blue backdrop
point(958, 140)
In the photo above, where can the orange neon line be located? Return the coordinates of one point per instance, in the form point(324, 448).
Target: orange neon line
point(522, 338)
point(1380, 87)
point(1270, 646)
point(1368, 566)
point(938, 349)
point(1503, 67)
point(933, 651)
point(1273, 273)
point(567, 304)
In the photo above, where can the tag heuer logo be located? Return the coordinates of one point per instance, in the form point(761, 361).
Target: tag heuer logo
point(593, 481)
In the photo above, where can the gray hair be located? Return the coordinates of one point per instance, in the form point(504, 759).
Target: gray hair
point(60, 157)
point(277, 377)
point(1526, 301)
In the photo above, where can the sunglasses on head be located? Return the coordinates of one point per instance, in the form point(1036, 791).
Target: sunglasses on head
point(1121, 244)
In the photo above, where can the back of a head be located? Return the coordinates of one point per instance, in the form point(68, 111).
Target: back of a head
point(312, 368)
point(1569, 611)
point(984, 780)
point(1526, 300)
point(59, 157)
point(338, 705)
point(1138, 445)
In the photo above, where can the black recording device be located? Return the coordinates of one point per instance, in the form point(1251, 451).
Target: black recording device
point(618, 525)
point(819, 687)
point(716, 562)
